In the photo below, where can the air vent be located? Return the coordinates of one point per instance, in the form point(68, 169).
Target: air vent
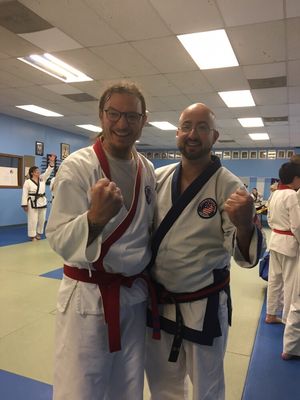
point(19, 19)
point(276, 120)
point(266, 83)
point(226, 141)
point(143, 145)
point(80, 97)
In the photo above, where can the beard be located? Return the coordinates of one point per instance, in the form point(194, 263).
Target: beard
point(193, 154)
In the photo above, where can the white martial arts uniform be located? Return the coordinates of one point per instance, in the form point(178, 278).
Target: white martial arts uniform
point(284, 216)
point(84, 367)
point(34, 197)
point(201, 240)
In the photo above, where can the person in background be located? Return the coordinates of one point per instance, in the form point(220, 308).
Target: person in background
point(257, 197)
point(284, 220)
point(34, 200)
point(100, 223)
point(204, 216)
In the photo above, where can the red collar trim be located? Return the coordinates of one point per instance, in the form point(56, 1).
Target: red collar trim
point(281, 186)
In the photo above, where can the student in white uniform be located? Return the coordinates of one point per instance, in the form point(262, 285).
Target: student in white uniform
point(284, 220)
point(204, 215)
point(34, 200)
point(100, 223)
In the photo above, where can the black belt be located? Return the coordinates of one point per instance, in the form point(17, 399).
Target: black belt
point(221, 282)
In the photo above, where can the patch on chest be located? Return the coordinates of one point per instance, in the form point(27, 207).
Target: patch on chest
point(207, 208)
point(148, 194)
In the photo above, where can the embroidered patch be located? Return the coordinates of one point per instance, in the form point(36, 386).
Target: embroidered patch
point(207, 208)
point(148, 194)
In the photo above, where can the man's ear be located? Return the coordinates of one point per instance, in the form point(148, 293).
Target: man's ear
point(216, 135)
point(145, 118)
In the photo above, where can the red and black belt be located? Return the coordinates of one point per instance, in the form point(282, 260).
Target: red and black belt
point(109, 285)
point(288, 233)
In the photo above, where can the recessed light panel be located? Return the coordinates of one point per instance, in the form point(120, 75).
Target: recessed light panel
point(39, 110)
point(164, 125)
point(251, 122)
point(259, 136)
point(210, 49)
point(237, 98)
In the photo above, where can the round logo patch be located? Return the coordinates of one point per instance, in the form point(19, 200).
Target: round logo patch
point(148, 194)
point(207, 208)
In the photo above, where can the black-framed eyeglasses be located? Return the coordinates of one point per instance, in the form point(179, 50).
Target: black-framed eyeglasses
point(201, 128)
point(114, 115)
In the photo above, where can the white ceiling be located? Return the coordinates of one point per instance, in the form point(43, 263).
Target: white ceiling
point(111, 40)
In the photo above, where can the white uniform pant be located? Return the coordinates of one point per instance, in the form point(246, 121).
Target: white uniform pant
point(36, 220)
point(282, 272)
point(203, 364)
point(84, 367)
point(291, 337)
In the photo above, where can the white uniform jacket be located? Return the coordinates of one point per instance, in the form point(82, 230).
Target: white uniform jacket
point(67, 231)
point(34, 194)
point(201, 240)
point(284, 215)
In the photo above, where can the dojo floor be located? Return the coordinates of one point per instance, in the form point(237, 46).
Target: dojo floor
point(27, 307)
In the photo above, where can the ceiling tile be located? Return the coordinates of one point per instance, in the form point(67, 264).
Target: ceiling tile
point(166, 54)
point(126, 58)
point(243, 12)
point(50, 40)
point(258, 43)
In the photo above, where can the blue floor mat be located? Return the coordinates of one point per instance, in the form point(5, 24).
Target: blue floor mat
point(14, 234)
point(16, 387)
point(55, 274)
point(269, 377)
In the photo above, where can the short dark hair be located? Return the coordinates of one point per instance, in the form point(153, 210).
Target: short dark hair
point(288, 171)
point(122, 87)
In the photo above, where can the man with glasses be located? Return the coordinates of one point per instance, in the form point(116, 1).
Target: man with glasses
point(100, 224)
point(204, 215)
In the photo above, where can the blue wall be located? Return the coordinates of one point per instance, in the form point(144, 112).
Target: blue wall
point(18, 137)
point(253, 169)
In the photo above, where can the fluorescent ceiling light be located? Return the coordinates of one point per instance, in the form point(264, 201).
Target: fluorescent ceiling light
point(259, 136)
point(90, 127)
point(210, 49)
point(237, 98)
point(251, 122)
point(39, 110)
point(164, 125)
point(55, 67)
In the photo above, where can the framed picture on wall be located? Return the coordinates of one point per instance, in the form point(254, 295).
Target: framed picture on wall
point(226, 155)
point(280, 153)
point(177, 155)
point(39, 148)
point(149, 155)
point(253, 154)
point(171, 155)
point(64, 150)
point(289, 153)
point(235, 155)
point(272, 154)
point(157, 155)
point(262, 154)
point(244, 154)
point(218, 154)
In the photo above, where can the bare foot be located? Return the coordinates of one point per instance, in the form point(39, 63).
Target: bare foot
point(287, 356)
point(273, 319)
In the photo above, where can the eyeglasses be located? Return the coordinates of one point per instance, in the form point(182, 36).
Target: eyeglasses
point(200, 128)
point(114, 116)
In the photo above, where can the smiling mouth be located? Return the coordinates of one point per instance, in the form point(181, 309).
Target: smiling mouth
point(121, 134)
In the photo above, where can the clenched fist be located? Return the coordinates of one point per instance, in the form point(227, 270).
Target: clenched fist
point(239, 207)
point(106, 202)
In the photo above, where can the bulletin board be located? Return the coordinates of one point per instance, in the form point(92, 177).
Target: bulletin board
point(11, 171)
